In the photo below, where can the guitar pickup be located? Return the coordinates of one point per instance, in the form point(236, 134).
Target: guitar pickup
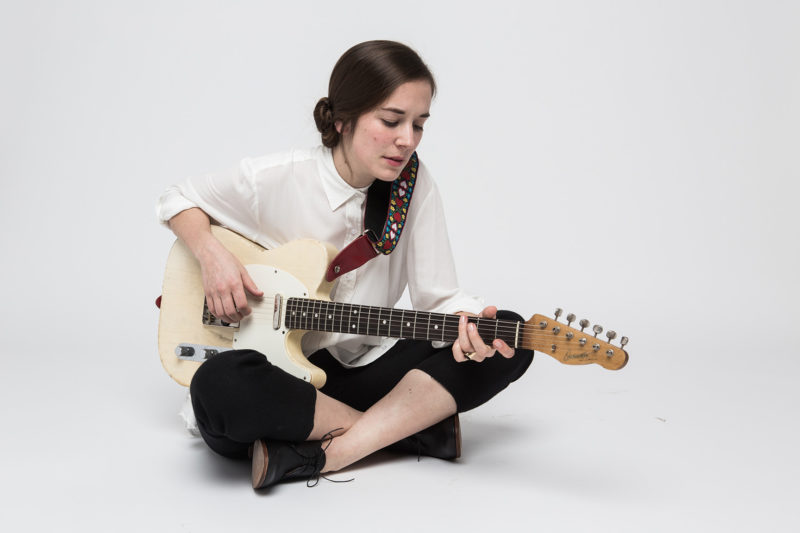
point(197, 352)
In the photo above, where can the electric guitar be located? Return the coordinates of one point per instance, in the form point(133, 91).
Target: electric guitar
point(296, 300)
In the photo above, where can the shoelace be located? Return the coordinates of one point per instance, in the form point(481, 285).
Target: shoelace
point(318, 461)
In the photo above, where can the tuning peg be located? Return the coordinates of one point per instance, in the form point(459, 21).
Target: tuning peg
point(623, 341)
point(611, 335)
point(557, 313)
point(598, 329)
point(583, 323)
point(570, 318)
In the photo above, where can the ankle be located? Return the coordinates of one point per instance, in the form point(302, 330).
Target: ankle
point(338, 454)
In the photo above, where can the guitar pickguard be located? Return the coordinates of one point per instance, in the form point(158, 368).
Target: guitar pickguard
point(258, 331)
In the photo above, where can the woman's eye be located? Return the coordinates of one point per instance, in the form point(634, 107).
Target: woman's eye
point(390, 123)
point(418, 127)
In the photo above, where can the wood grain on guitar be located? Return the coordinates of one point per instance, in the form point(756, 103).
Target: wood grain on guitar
point(574, 347)
point(297, 300)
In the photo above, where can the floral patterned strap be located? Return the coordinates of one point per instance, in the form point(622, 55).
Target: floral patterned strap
point(370, 245)
point(399, 201)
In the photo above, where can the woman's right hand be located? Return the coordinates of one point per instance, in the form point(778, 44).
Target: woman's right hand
point(225, 281)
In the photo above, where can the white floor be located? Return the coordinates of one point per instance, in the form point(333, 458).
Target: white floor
point(658, 446)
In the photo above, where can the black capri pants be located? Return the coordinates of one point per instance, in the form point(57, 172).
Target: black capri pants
point(239, 396)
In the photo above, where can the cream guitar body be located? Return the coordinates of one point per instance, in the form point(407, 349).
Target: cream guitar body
point(296, 269)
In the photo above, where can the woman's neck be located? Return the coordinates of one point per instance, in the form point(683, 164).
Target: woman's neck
point(342, 164)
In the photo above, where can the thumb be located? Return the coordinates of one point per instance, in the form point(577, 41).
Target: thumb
point(489, 312)
point(250, 285)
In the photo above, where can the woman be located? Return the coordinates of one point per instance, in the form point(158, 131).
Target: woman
point(379, 391)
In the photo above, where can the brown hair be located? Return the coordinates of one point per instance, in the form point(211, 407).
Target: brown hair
point(364, 77)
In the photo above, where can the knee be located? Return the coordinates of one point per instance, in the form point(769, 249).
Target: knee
point(243, 396)
point(223, 373)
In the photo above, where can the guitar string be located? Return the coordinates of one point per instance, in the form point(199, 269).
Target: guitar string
point(507, 328)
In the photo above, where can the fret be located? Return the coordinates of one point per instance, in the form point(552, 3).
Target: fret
point(402, 323)
point(363, 319)
point(389, 324)
point(333, 317)
point(363, 327)
point(386, 321)
point(486, 330)
point(452, 334)
point(428, 328)
point(352, 319)
point(369, 319)
point(351, 315)
point(329, 316)
point(414, 331)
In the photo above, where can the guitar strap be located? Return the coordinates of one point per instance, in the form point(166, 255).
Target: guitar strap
point(384, 219)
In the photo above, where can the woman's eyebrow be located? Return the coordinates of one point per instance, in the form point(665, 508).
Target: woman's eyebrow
point(401, 112)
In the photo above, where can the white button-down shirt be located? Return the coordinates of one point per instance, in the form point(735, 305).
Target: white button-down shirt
point(299, 194)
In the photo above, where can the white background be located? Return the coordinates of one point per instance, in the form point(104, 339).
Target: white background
point(635, 163)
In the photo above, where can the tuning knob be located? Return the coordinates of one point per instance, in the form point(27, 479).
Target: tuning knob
point(570, 319)
point(611, 335)
point(623, 341)
point(598, 329)
point(583, 323)
point(558, 312)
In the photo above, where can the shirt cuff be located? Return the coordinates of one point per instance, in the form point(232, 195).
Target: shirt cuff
point(171, 203)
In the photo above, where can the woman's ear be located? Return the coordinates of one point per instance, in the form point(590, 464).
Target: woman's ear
point(338, 125)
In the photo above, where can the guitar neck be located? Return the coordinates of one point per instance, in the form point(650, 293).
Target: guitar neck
point(336, 317)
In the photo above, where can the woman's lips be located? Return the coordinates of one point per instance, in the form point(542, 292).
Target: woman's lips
point(395, 162)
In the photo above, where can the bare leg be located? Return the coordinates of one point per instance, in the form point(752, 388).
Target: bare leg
point(415, 403)
point(330, 415)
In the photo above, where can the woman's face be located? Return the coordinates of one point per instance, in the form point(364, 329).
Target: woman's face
point(381, 142)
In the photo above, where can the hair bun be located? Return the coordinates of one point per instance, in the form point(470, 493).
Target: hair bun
point(323, 117)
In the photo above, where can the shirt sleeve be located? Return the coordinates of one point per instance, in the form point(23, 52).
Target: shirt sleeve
point(229, 198)
point(432, 281)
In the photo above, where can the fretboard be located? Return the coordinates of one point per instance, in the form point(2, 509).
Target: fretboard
point(336, 317)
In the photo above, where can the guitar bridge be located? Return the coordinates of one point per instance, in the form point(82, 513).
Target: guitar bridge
point(276, 312)
point(210, 320)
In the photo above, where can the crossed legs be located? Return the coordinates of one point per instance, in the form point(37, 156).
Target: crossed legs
point(414, 404)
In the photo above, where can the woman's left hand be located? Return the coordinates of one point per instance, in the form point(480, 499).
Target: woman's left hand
point(470, 346)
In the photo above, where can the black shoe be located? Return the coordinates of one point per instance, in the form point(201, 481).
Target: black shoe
point(275, 461)
point(442, 440)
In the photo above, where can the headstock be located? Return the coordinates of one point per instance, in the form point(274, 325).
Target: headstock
point(572, 346)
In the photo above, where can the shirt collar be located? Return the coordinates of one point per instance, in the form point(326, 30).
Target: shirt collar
point(336, 189)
